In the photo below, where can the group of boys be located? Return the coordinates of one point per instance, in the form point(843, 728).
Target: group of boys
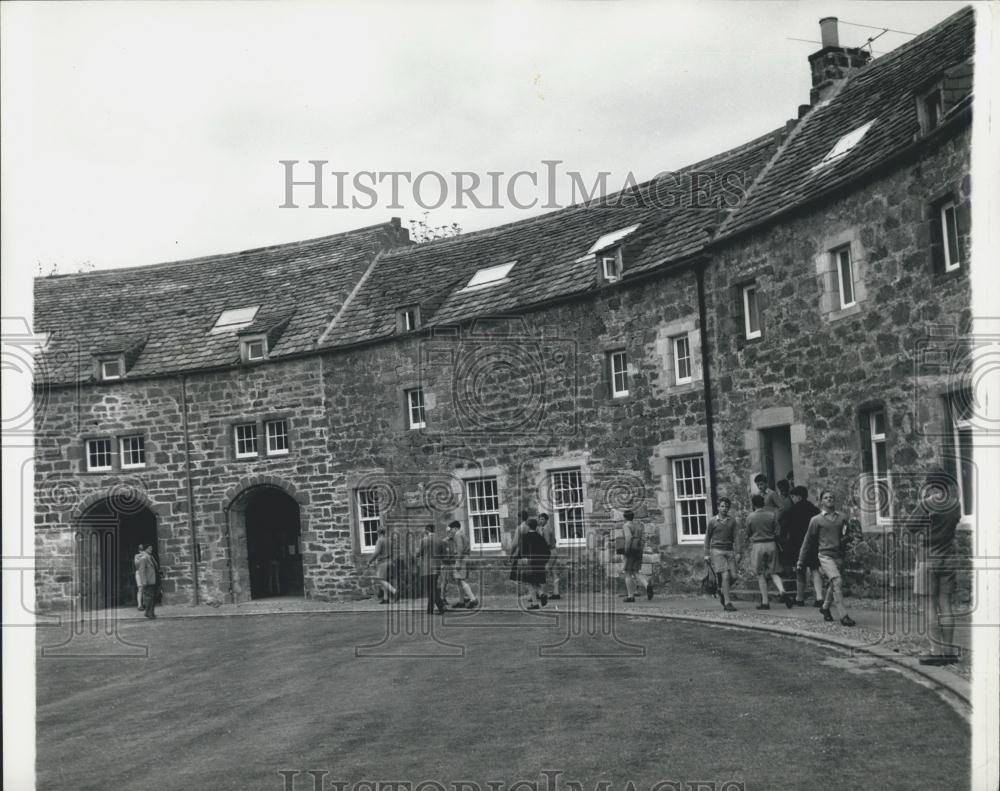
point(784, 530)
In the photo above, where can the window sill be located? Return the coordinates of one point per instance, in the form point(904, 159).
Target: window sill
point(843, 313)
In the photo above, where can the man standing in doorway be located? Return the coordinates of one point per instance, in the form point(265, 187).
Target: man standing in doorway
point(138, 584)
point(146, 576)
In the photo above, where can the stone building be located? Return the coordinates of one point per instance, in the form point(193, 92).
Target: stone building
point(795, 305)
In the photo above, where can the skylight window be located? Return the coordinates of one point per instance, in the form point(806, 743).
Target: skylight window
point(611, 239)
point(489, 276)
point(845, 144)
point(235, 319)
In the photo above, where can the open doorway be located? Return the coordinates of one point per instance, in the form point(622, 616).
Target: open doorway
point(776, 453)
point(267, 556)
point(107, 540)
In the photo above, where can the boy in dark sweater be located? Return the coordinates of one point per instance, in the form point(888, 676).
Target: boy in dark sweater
point(827, 530)
point(722, 549)
point(794, 523)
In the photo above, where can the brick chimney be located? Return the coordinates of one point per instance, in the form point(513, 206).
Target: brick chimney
point(833, 64)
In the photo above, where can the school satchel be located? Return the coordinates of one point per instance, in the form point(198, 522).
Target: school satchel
point(620, 544)
point(636, 543)
point(709, 584)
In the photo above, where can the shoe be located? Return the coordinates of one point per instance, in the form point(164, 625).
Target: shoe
point(630, 598)
point(461, 605)
point(544, 599)
point(442, 612)
point(818, 603)
point(800, 603)
point(555, 597)
point(386, 600)
point(763, 606)
point(826, 614)
point(649, 591)
point(729, 607)
point(473, 603)
point(533, 607)
point(789, 601)
point(847, 620)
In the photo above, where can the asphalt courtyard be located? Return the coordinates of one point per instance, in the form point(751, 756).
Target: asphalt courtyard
point(486, 697)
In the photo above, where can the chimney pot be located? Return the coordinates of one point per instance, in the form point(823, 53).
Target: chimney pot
point(828, 32)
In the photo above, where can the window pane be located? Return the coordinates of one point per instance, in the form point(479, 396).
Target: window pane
point(752, 313)
point(950, 236)
point(846, 278)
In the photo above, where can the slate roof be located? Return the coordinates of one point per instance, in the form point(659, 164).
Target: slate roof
point(884, 92)
point(300, 287)
point(551, 250)
point(160, 316)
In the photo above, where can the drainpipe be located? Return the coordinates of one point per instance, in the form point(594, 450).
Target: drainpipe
point(190, 490)
point(706, 374)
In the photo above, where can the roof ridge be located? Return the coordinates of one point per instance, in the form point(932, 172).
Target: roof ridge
point(575, 207)
point(203, 258)
point(778, 153)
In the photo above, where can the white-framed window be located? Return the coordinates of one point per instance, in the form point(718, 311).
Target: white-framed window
point(949, 237)
point(690, 499)
point(618, 373)
point(566, 495)
point(682, 359)
point(254, 349)
point(133, 452)
point(245, 435)
point(879, 471)
point(369, 518)
point(960, 410)
point(98, 455)
point(415, 414)
point(751, 312)
point(610, 269)
point(276, 432)
point(845, 276)
point(409, 318)
point(483, 502)
point(111, 369)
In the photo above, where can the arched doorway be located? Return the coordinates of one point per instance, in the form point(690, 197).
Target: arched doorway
point(266, 530)
point(107, 540)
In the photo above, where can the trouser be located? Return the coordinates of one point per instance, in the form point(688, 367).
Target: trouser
point(149, 600)
point(432, 590)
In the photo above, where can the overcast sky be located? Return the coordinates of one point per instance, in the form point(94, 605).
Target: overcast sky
point(139, 133)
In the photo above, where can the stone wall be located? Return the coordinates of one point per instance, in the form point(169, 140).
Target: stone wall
point(818, 369)
point(519, 398)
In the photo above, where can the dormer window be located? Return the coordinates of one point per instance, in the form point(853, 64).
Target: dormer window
point(112, 368)
point(235, 319)
point(408, 319)
point(253, 348)
point(611, 240)
point(930, 109)
point(611, 267)
point(490, 276)
point(844, 145)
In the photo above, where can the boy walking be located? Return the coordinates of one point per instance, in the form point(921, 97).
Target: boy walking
point(429, 554)
point(722, 549)
point(794, 524)
point(762, 527)
point(827, 530)
point(460, 555)
point(634, 544)
point(548, 532)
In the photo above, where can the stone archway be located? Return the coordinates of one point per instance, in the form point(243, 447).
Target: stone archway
point(109, 530)
point(265, 531)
